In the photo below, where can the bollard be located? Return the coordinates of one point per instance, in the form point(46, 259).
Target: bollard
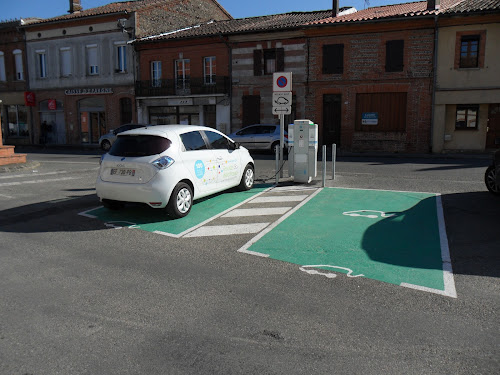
point(324, 165)
point(334, 156)
point(277, 165)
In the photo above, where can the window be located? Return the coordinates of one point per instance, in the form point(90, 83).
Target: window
point(217, 141)
point(156, 73)
point(41, 63)
point(394, 56)
point(65, 57)
point(193, 141)
point(18, 60)
point(92, 60)
point(466, 117)
point(3, 77)
point(268, 61)
point(333, 59)
point(209, 70)
point(121, 58)
point(182, 74)
point(17, 116)
point(469, 51)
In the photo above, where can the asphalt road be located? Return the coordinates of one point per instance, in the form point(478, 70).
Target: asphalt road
point(78, 297)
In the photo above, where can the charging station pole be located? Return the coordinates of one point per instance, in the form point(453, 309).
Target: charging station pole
point(282, 105)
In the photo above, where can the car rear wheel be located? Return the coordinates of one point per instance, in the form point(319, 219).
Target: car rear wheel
point(106, 145)
point(112, 205)
point(247, 178)
point(490, 180)
point(180, 201)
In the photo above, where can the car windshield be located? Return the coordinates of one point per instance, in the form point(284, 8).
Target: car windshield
point(139, 145)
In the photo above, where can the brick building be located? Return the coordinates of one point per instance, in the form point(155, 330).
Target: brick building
point(183, 80)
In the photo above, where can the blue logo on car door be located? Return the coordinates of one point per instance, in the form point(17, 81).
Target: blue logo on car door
point(199, 169)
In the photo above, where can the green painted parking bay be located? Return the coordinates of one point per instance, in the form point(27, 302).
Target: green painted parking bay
point(156, 220)
point(395, 237)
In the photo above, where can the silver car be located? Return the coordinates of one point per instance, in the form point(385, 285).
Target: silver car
point(107, 140)
point(259, 137)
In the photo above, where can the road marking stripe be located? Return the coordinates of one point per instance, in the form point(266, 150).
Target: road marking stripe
point(245, 247)
point(32, 174)
point(227, 230)
point(246, 212)
point(449, 280)
point(38, 181)
point(279, 198)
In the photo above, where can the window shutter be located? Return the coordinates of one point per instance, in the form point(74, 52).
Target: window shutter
point(257, 62)
point(333, 59)
point(280, 60)
point(251, 109)
point(394, 56)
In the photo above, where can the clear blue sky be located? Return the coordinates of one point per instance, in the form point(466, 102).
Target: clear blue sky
point(15, 9)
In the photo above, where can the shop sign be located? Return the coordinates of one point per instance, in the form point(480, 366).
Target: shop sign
point(29, 99)
point(184, 101)
point(89, 91)
point(369, 118)
point(52, 104)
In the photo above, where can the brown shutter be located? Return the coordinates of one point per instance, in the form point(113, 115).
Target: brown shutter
point(280, 60)
point(394, 54)
point(257, 62)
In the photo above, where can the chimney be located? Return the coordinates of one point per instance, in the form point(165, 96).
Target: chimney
point(74, 6)
point(433, 4)
point(335, 8)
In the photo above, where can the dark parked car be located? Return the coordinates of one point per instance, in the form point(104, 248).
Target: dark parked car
point(108, 139)
point(259, 137)
point(492, 175)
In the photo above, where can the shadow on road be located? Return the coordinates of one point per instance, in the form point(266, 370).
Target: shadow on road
point(472, 225)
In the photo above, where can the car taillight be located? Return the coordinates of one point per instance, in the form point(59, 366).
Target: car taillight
point(163, 162)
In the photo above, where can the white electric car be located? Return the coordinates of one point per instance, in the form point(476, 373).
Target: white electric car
point(169, 166)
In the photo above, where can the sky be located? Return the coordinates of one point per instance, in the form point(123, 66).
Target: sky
point(16, 9)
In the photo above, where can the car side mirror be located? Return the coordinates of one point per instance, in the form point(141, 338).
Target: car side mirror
point(235, 145)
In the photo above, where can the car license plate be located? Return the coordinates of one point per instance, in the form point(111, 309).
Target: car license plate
point(122, 172)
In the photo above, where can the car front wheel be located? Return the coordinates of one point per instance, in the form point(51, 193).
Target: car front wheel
point(247, 178)
point(490, 180)
point(180, 201)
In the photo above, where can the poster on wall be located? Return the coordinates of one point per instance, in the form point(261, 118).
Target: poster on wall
point(29, 99)
point(52, 104)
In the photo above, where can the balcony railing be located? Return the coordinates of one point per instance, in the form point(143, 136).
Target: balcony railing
point(191, 86)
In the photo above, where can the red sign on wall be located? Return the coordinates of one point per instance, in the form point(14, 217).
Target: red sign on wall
point(29, 98)
point(52, 104)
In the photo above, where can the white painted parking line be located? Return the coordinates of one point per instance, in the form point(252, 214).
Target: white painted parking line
point(246, 212)
point(227, 230)
point(32, 174)
point(38, 181)
point(279, 198)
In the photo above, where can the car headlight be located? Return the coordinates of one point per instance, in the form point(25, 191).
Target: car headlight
point(163, 162)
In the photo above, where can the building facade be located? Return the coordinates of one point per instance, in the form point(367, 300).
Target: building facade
point(184, 81)
point(82, 66)
point(15, 114)
point(467, 98)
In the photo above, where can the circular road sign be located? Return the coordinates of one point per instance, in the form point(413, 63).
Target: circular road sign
point(282, 81)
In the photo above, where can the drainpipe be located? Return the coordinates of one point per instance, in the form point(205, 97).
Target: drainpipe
point(434, 80)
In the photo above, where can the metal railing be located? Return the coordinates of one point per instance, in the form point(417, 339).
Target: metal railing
point(188, 86)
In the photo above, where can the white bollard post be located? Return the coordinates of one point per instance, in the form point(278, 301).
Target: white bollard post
point(277, 165)
point(324, 165)
point(334, 156)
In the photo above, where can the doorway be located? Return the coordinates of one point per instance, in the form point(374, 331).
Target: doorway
point(92, 119)
point(493, 134)
point(332, 120)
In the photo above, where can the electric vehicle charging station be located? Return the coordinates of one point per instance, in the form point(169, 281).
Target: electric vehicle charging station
point(303, 158)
